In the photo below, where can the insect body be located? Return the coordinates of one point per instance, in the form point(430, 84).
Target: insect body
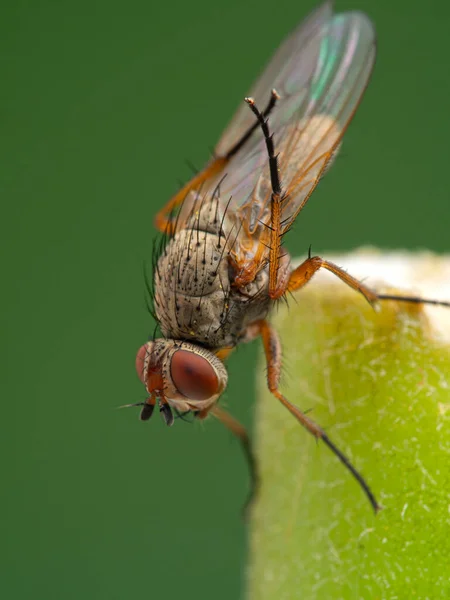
point(224, 266)
point(195, 293)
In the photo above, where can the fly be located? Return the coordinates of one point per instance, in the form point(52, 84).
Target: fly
point(224, 265)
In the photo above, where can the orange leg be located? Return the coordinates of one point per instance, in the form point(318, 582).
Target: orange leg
point(163, 220)
point(303, 273)
point(224, 353)
point(276, 280)
point(272, 349)
point(275, 246)
point(241, 433)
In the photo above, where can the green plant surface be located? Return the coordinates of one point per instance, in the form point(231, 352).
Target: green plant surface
point(378, 383)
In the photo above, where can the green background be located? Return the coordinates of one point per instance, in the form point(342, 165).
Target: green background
point(101, 104)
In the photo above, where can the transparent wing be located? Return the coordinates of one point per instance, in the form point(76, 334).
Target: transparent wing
point(289, 71)
point(320, 85)
point(283, 72)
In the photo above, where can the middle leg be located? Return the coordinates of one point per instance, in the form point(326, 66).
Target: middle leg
point(303, 273)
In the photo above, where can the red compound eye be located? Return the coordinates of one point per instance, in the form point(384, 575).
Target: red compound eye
point(193, 375)
point(140, 357)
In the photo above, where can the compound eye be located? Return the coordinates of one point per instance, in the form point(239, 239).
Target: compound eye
point(140, 357)
point(193, 375)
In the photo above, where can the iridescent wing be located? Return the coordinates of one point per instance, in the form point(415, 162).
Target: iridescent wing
point(289, 70)
point(320, 84)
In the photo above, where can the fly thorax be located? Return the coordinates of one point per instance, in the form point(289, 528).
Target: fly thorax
point(192, 286)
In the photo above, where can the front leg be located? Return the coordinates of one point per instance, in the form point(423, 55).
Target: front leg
point(240, 432)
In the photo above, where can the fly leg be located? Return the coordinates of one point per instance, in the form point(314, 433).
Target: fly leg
point(164, 221)
point(303, 273)
point(272, 349)
point(276, 285)
point(241, 433)
point(280, 280)
point(274, 97)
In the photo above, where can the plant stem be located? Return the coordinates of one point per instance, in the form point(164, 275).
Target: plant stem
point(379, 384)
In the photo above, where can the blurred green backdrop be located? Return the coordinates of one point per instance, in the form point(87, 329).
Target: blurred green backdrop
point(102, 102)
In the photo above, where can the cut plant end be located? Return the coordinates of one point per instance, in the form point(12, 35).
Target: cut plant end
point(378, 382)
